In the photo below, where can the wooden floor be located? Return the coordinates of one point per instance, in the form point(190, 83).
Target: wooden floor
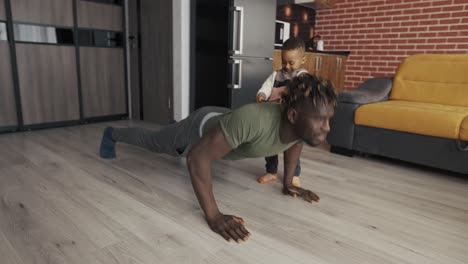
point(60, 203)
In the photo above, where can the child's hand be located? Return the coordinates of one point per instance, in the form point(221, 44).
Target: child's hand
point(261, 97)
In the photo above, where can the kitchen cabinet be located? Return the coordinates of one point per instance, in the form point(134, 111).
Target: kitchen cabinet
point(327, 66)
point(277, 60)
point(336, 70)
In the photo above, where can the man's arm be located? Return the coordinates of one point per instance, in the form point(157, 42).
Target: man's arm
point(291, 158)
point(213, 146)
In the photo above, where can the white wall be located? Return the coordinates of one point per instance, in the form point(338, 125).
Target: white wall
point(181, 49)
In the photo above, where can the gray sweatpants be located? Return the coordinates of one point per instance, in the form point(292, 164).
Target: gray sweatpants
point(175, 139)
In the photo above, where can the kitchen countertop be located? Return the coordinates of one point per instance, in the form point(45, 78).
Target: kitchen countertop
point(333, 52)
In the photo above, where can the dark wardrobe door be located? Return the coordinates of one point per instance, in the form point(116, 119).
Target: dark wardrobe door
point(157, 60)
point(102, 81)
point(102, 59)
point(99, 16)
point(48, 83)
point(46, 61)
point(47, 12)
point(2, 10)
point(8, 117)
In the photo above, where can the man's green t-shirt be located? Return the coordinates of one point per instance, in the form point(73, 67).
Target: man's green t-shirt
point(251, 130)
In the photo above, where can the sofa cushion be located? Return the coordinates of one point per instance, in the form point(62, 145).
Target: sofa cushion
point(438, 79)
point(414, 117)
point(464, 129)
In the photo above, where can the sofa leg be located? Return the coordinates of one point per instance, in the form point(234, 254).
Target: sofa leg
point(342, 151)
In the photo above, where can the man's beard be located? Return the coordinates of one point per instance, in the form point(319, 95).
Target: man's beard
point(311, 142)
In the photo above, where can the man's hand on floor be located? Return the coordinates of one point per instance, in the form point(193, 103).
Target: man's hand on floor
point(307, 195)
point(230, 227)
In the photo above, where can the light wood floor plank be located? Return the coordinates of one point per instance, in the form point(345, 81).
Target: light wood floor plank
point(60, 203)
point(39, 232)
point(8, 253)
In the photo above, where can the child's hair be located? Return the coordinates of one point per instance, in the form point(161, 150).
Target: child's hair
point(309, 87)
point(294, 44)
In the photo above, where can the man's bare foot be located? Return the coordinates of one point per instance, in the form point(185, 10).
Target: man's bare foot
point(296, 182)
point(267, 177)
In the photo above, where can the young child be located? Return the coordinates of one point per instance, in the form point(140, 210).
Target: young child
point(293, 59)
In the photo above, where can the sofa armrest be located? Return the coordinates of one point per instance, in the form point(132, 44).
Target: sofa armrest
point(341, 133)
point(371, 91)
point(462, 145)
point(342, 124)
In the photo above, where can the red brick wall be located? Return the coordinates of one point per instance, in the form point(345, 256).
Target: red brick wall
point(380, 34)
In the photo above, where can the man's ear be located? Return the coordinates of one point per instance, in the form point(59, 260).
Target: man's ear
point(304, 59)
point(292, 115)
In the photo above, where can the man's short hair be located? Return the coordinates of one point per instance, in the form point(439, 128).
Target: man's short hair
point(307, 87)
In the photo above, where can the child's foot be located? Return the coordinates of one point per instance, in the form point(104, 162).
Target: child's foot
point(107, 150)
point(267, 177)
point(296, 182)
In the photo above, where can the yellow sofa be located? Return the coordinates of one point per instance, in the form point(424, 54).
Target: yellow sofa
point(426, 110)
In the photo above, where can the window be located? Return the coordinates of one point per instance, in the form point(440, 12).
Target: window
point(43, 34)
point(3, 31)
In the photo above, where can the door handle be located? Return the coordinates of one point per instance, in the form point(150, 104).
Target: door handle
point(236, 74)
point(318, 63)
point(237, 48)
point(132, 40)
